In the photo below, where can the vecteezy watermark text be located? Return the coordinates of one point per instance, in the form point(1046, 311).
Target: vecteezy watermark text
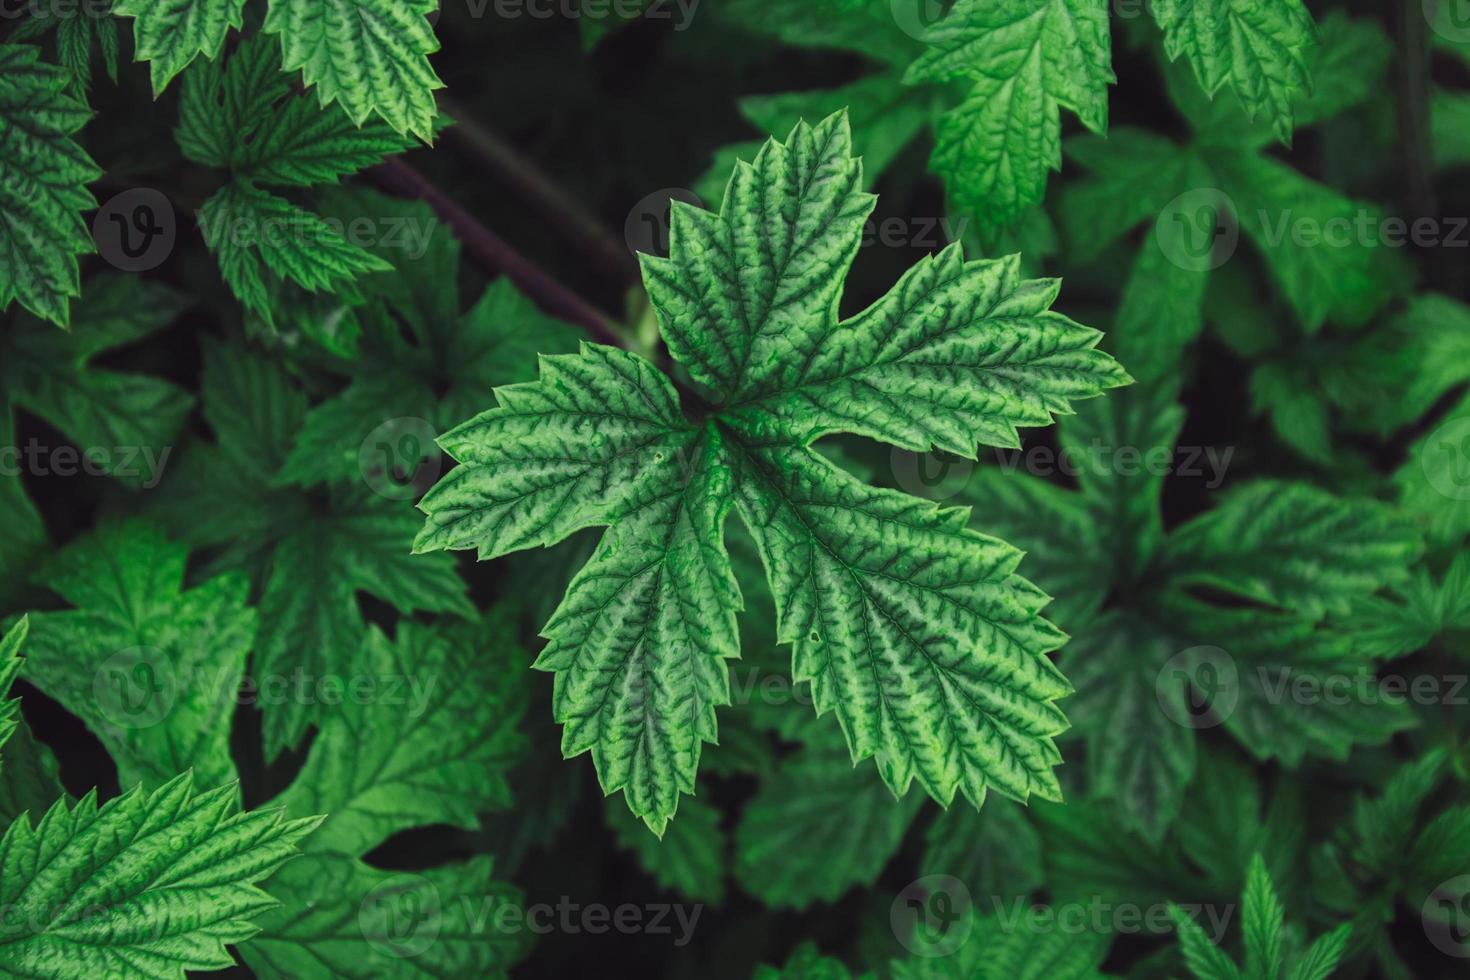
point(145, 463)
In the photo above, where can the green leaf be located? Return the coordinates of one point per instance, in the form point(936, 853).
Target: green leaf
point(1413, 614)
point(1295, 547)
point(430, 742)
point(1027, 59)
point(372, 56)
point(149, 885)
point(1321, 958)
point(1309, 237)
point(915, 630)
point(44, 175)
point(886, 118)
point(1257, 47)
point(1039, 945)
point(446, 369)
point(807, 963)
point(125, 422)
point(10, 665)
point(691, 857)
point(339, 916)
point(1266, 955)
point(1433, 484)
point(150, 667)
point(261, 240)
point(1261, 919)
point(32, 776)
point(241, 115)
point(311, 552)
point(1204, 959)
point(171, 35)
point(817, 829)
point(1139, 754)
point(994, 851)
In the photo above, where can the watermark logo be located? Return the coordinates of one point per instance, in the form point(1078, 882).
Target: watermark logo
point(916, 17)
point(1199, 687)
point(1446, 917)
point(1197, 231)
point(1450, 19)
point(931, 917)
point(930, 475)
point(647, 228)
point(402, 916)
point(135, 230)
point(1445, 459)
point(135, 688)
point(400, 459)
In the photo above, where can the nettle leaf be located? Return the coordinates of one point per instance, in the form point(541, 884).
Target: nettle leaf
point(372, 56)
point(429, 743)
point(44, 175)
point(171, 35)
point(817, 828)
point(262, 239)
point(150, 667)
point(1255, 587)
point(1257, 47)
point(352, 920)
point(149, 885)
point(916, 631)
point(10, 664)
point(1413, 614)
point(75, 29)
point(242, 115)
point(419, 356)
point(1203, 197)
point(1294, 547)
point(29, 775)
point(690, 859)
point(1432, 481)
point(124, 422)
point(1266, 956)
point(994, 851)
point(1027, 58)
point(310, 552)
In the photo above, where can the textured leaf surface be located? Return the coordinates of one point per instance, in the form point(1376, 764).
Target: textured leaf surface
point(152, 668)
point(170, 35)
point(43, 185)
point(260, 238)
point(917, 631)
point(126, 422)
point(341, 916)
point(690, 859)
point(1257, 47)
point(241, 115)
point(310, 551)
point(1027, 59)
point(149, 885)
point(449, 364)
point(429, 743)
point(372, 56)
point(1295, 547)
point(818, 828)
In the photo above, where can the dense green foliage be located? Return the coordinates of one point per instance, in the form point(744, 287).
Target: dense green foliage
point(384, 595)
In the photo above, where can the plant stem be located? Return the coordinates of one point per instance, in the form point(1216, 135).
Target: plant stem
point(577, 225)
point(494, 254)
